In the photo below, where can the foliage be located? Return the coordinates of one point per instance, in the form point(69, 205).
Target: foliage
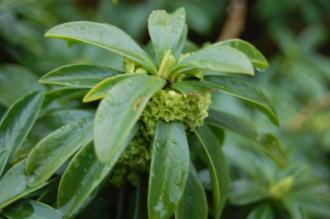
point(169, 135)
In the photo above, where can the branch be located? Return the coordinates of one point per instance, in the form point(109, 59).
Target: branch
point(235, 22)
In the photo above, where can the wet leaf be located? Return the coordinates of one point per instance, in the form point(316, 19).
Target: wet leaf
point(82, 177)
point(193, 203)
point(78, 76)
point(166, 31)
point(244, 91)
point(255, 56)
point(32, 210)
point(169, 169)
point(14, 185)
point(217, 166)
point(16, 124)
point(119, 111)
point(105, 36)
point(101, 89)
point(220, 58)
point(52, 151)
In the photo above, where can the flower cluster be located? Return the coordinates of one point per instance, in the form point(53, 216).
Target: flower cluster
point(169, 105)
point(134, 161)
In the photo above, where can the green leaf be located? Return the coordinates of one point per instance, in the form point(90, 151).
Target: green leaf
point(169, 169)
point(255, 56)
point(100, 90)
point(191, 87)
point(244, 91)
point(14, 185)
point(220, 58)
point(47, 123)
point(261, 212)
point(193, 203)
point(15, 81)
point(166, 31)
point(32, 210)
point(264, 141)
point(244, 192)
point(16, 124)
point(217, 166)
point(52, 151)
point(119, 111)
point(105, 36)
point(78, 76)
point(83, 175)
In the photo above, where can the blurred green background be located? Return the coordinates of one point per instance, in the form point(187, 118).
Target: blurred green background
point(293, 34)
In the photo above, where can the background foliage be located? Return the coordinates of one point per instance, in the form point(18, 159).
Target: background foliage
point(295, 37)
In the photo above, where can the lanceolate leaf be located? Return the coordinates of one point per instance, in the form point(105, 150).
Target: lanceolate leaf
point(78, 76)
point(48, 123)
point(52, 151)
point(32, 209)
point(191, 87)
point(166, 31)
point(244, 91)
point(193, 203)
point(100, 90)
point(120, 110)
point(83, 175)
point(220, 58)
point(105, 36)
point(16, 81)
point(14, 185)
point(217, 166)
point(255, 56)
point(264, 141)
point(16, 124)
point(168, 171)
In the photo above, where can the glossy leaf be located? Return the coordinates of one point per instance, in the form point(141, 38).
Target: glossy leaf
point(14, 185)
point(119, 111)
point(191, 87)
point(63, 97)
point(166, 31)
point(244, 91)
point(193, 203)
point(78, 76)
point(220, 58)
point(264, 141)
point(32, 210)
point(255, 56)
point(105, 36)
point(52, 151)
point(261, 212)
point(47, 123)
point(17, 123)
point(83, 175)
point(15, 82)
point(217, 166)
point(169, 169)
point(100, 90)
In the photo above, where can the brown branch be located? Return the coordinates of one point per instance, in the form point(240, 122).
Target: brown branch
point(235, 22)
point(301, 117)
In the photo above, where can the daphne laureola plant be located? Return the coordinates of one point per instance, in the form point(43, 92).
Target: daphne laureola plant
point(154, 117)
